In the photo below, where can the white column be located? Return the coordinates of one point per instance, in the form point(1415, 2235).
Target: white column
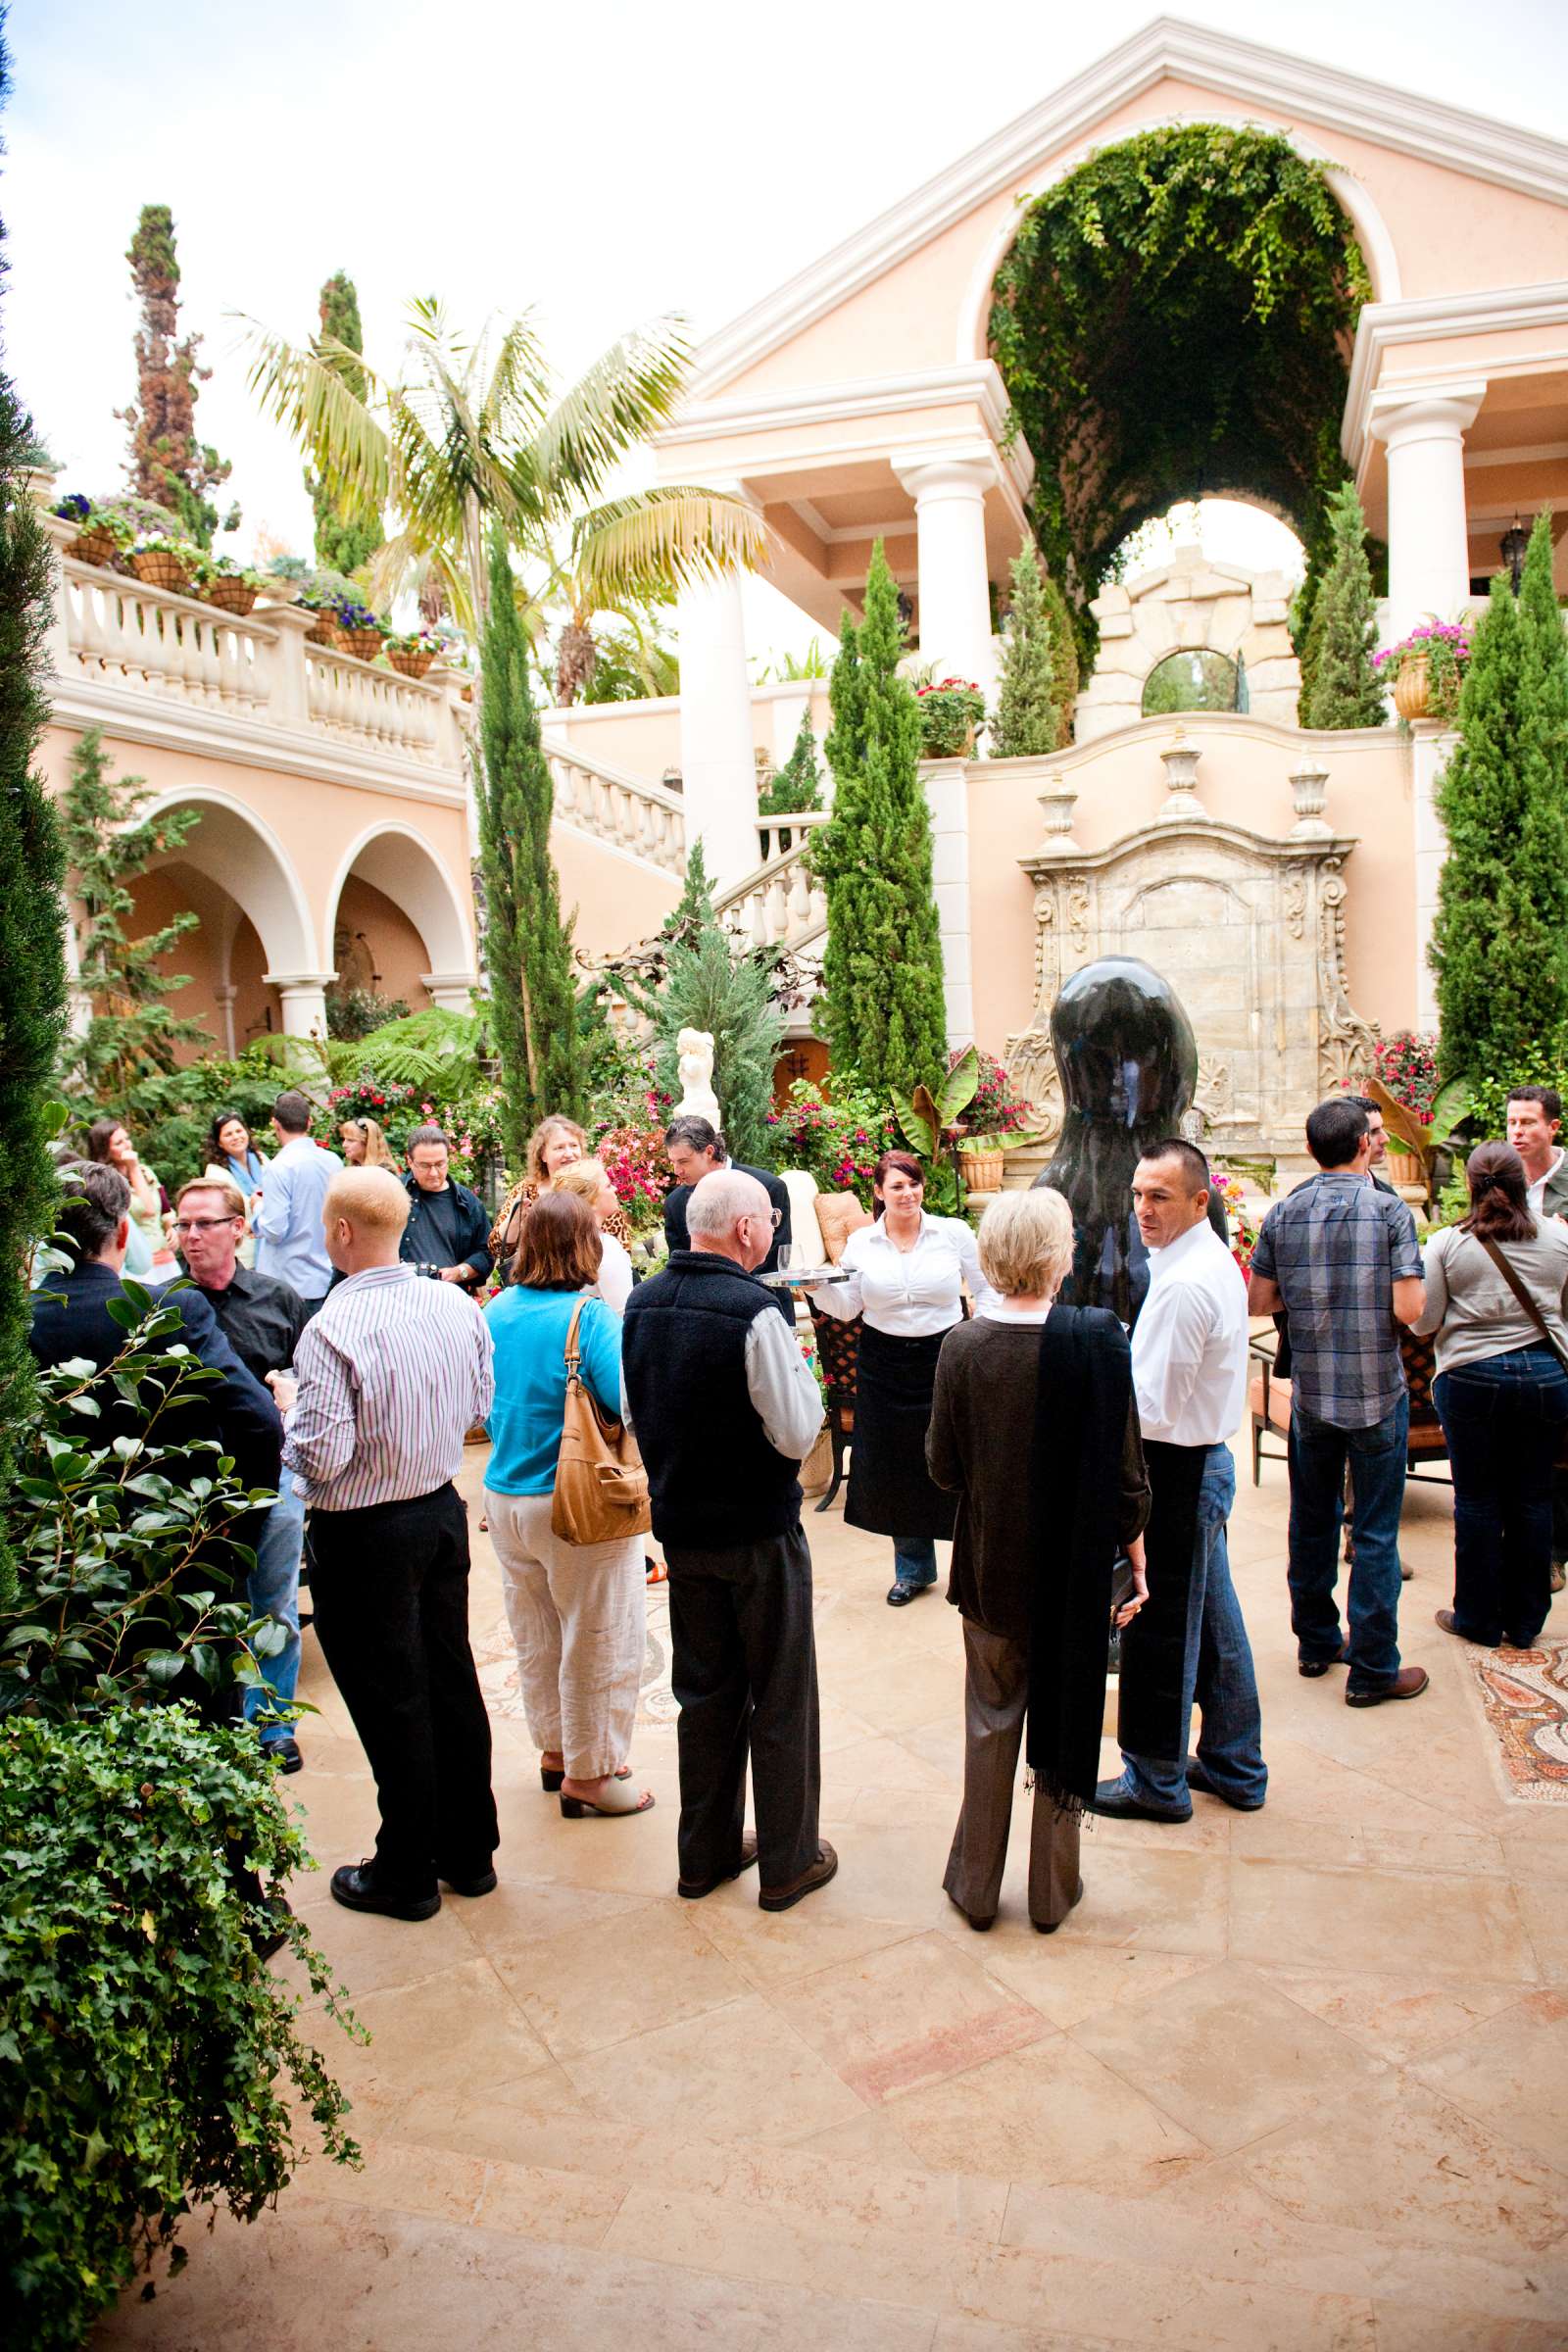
point(1429, 545)
point(947, 793)
point(304, 1000)
point(717, 760)
point(1432, 746)
point(287, 683)
point(449, 991)
point(224, 993)
point(950, 511)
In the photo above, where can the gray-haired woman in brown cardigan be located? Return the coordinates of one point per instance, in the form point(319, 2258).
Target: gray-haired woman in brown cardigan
point(1033, 1426)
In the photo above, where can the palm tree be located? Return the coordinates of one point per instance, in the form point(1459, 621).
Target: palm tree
point(470, 436)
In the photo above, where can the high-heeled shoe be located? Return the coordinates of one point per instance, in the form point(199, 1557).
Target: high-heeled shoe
point(620, 1803)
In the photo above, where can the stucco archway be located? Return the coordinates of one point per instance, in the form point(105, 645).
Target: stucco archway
point(397, 863)
point(239, 851)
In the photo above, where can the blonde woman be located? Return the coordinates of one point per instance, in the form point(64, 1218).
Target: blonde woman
point(588, 1181)
point(366, 1146)
point(1032, 1427)
point(554, 1143)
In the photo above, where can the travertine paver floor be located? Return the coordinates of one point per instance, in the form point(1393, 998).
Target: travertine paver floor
point(1292, 2081)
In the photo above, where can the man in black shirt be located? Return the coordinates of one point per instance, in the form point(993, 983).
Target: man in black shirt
point(448, 1232)
point(262, 1319)
point(694, 1147)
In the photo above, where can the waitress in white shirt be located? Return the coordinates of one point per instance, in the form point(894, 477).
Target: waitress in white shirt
point(907, 1273)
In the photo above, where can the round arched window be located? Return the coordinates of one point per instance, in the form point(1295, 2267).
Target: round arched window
point(1195, 681)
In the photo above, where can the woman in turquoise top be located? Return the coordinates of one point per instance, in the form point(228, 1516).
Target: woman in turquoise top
point(575, 1609)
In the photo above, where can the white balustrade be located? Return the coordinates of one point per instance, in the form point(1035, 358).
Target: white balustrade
point(637, 816)
point(779, 905)
point(126, 634)
point(360, 704)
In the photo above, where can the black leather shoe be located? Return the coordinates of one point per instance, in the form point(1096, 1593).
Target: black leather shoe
point(1113, 1800)
point(285, 1754)
point(355, 1886)
point(902, 1595)
point(1198, 1777)
point(469, 1883)
point(1311, 1668)
point(694, 1889)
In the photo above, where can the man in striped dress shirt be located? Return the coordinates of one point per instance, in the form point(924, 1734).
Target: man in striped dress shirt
point(390, 1377)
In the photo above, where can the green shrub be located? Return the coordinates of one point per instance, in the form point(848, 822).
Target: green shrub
point(126, 1553)
point(169, 1113)
point(150, 2063)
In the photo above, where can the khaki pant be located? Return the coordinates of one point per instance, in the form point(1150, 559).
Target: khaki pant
point(576, 1612)
point(995, 1695)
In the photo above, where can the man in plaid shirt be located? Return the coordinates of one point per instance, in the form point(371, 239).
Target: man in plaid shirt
point(1340, 1258)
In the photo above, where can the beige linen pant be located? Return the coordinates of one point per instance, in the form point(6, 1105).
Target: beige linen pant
point(995, 1694)
point(576, 1612)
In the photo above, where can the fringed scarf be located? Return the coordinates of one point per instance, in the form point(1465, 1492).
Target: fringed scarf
point(1084, 1386)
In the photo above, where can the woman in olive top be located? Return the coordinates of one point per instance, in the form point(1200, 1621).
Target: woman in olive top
point(1501, 1394)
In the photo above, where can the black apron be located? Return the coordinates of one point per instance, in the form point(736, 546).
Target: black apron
point(891, 1490)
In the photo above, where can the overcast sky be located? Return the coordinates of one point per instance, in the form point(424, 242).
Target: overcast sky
point(600, 164)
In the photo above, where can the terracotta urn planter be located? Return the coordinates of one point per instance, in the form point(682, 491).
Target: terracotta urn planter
point(1404, 1168)
point(156, 568)
point(411, 666)
point(982, 1169)
point(363, 644)
point(1412, 696)
point(97, 547)
point(232, 596)
point(325, 631)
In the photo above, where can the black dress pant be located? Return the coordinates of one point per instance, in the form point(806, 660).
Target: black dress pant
point(743, 1672)
point(391, 1595)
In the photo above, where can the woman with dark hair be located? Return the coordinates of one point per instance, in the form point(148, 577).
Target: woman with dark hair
point(231, 1152)
point(1497, 1294)
point(576, 1610)
point(151, 1258)
point(907, 1273)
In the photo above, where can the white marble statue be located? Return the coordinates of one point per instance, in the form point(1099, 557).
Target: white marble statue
point(697, 1100)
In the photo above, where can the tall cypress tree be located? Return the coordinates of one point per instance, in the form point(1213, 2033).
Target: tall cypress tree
point(1339, 684)
point(1028, 715)
point(341, 545)
point(882, 967)
point(1499, 943)
point(33, 971)
point(527, 948)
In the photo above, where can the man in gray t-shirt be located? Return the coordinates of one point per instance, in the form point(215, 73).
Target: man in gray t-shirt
point(1341, 1259)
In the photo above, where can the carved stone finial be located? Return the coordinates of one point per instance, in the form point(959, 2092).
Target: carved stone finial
point(1180, 763)
point(1057, 803)
point(1309, 791)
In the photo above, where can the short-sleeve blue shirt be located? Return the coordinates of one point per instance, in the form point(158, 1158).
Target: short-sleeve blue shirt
point(1334, 1250)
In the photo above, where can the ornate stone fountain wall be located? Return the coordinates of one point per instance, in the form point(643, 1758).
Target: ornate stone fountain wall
point(1248, 930)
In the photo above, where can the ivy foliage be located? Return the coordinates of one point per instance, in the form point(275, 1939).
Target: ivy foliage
point(1174, 319)
point(150, 2062)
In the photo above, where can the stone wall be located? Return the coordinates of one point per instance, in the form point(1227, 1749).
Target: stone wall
point(1192, 606)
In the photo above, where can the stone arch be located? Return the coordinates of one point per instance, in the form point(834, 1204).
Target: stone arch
point(400, 865)
point(1190, 606)
point(238, 851)
point(1352, 195)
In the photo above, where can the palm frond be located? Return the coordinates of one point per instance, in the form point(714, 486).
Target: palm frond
point(637, 547)
point(629, 390)
point(516, 399)
point(305, 391)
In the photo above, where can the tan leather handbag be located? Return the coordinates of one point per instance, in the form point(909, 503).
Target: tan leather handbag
point(601, 1485)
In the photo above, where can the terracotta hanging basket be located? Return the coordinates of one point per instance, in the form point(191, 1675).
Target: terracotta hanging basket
point(982, 1170)
point(232, 596)
point(156, 568)
point(1406, 1168)
point(325, 632)
point(1411, 696)
point(363, 644)
point(411, 666)
point(98, 547)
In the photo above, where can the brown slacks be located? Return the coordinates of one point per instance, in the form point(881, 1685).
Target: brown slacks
point(995, 1694)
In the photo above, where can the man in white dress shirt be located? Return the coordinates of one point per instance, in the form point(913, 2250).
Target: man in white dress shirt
point(1190, 1381)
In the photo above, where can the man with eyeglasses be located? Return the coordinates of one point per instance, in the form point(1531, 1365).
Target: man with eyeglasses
point(262, 1319)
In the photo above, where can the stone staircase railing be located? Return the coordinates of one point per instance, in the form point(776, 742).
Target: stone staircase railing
point(778, 904)
point(644, 819)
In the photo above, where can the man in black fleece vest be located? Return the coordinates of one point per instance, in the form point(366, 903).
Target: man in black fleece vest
point(725, 1411)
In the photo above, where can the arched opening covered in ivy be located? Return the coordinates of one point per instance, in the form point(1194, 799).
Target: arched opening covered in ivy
point(1174, 319)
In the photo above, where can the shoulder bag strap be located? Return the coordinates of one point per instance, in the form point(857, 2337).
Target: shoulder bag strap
point(573, 1353)
point(1522, 1294)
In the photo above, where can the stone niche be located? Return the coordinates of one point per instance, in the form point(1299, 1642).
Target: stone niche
point(1191, 606)
point(1249, 932)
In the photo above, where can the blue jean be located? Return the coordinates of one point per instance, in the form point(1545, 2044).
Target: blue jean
point(1320, 1451)
point(272, 1590)
point(914, 1561)
point(1503, 1421)
point(1216, 1671)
